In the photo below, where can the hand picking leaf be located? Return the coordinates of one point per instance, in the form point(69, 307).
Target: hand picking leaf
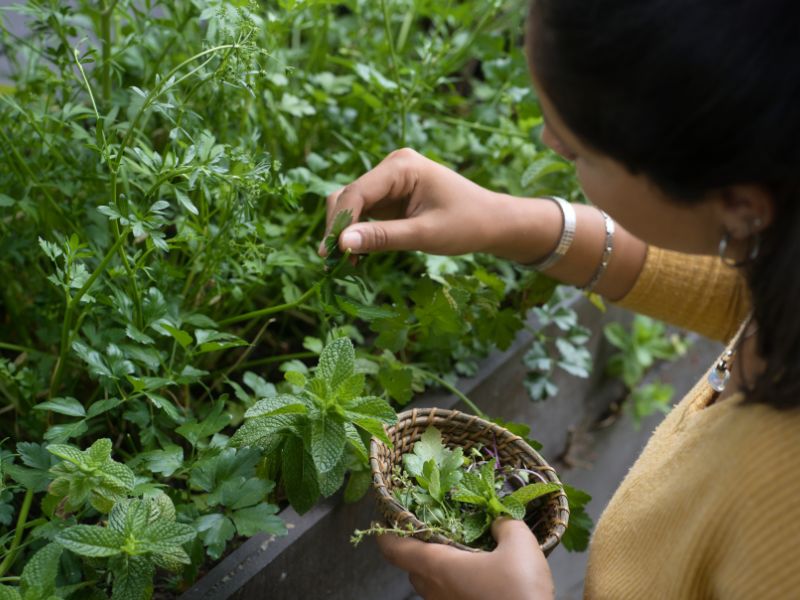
point(340, 223)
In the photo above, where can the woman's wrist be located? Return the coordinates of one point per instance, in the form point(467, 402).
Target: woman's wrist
point(524, 230)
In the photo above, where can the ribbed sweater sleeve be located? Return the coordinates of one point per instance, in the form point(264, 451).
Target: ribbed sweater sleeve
point(694, 292)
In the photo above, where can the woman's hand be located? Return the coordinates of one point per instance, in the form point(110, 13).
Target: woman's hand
point(515, 570)
point(422, 206)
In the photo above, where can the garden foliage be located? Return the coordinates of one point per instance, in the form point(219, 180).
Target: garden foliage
point(164, 166)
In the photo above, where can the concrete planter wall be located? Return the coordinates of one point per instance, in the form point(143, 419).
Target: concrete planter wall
point(316, 559)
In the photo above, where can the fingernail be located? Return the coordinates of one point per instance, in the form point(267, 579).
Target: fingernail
point(352, 240)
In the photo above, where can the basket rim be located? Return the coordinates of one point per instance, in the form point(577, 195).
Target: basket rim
point(411, 420)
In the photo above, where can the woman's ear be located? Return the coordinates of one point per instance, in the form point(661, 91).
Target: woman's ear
point(745, 210)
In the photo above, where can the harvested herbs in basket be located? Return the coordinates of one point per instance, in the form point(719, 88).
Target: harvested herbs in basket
point(458, 495)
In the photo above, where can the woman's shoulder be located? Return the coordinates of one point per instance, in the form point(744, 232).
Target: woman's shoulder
point(760, 438)
point(755, 459)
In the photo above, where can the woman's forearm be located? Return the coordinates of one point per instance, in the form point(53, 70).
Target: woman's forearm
point(526, 230)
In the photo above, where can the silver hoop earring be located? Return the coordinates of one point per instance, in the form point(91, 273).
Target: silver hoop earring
point(754, 241)
point(723, 248)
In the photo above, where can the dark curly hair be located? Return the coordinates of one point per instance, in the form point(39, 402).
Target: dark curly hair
point(696, 95)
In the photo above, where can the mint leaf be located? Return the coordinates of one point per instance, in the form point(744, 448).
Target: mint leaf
point(9, 593)
point(39, 575)
point(356, 443)
point(375, 428)
point(514, 507)
point(530, 492)
point(164, 537)
point(331, 481)
point(350, 389)
point(337, 362)
point(299, 475)
point(87, 540)
point(90, 475)
point(475, 525)
point(327, 442)
point(261, 431)
point(283, 404)
point(371, 408)
point(133, 578)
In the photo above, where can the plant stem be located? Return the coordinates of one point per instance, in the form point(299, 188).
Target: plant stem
point(481, 127)
point(22, 164)
point(274, 359)
point(66, 328)
point(271, 310)
point(105, 32)
point(396, 71)
point(8, 561)
point(15, 348)
point(456, 392)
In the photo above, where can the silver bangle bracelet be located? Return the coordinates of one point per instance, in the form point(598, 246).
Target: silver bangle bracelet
point(608, 248)
point(564, 242)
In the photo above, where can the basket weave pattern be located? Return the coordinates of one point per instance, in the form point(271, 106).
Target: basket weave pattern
point(465, 431)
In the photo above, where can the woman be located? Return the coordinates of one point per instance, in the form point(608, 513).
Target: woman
point(683, 120)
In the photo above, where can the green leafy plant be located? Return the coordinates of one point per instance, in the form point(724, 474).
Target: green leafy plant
point(639, 349)
point(565, 350)
point(239, 497)
point(89, 477)
point(141, 535)
point(316, 428)
point(460, 496)
point(38, 578)
point(164, 169)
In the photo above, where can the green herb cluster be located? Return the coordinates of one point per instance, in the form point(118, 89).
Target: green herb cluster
point(460, 496)
point(161, 202)
point(638, 349)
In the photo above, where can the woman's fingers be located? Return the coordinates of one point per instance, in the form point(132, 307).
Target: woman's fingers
point(403, 234)
point(514, 536)
point(389, 183)
point(519, 555)
point(404, 552)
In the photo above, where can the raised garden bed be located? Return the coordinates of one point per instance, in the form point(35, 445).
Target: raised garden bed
point(316, 559)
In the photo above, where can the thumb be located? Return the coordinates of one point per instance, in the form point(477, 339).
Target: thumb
point(376, 236)
point(513, 535)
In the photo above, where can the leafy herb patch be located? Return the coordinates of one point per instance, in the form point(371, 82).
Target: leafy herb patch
point(460, 496)
point(163, 310)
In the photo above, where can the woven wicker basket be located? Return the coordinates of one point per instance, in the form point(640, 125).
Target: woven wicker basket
point(465, 431)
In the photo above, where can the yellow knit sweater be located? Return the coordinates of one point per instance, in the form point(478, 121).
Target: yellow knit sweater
point(711, 509)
